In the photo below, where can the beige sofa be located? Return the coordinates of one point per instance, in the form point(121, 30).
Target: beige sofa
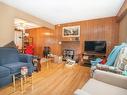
point(104, 83)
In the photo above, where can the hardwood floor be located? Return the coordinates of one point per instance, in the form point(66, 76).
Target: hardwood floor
point(54, 79)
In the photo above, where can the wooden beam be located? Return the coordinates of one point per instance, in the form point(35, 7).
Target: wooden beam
point(119, 18)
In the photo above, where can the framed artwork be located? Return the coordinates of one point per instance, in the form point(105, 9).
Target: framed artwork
point(73, 31)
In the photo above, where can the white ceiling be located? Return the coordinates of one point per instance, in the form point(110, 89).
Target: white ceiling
point(63, 11)
point(22, 24)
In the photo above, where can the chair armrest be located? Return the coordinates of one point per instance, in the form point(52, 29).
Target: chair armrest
point(25, 58)
point(111, 78)
point(80, 92)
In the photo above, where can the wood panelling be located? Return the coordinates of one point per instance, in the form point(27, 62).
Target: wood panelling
point(105, 29)
point(42, 37)
point(122, 12)
point(122, 17)
point(119, 18)
point(123, 8)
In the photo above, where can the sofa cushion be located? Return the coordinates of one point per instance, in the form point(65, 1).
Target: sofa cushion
point(4, 72)
point(8, 55)
point(15, 67)
point(95, 87)
point(5, 81)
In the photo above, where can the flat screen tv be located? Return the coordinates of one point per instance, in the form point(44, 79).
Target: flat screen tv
point(95, 46)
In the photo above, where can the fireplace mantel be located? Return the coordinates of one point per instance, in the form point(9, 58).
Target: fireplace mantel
point(70, 39)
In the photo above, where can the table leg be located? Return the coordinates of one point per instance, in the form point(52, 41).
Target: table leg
point(24, 78)
point(32, 79)
point(47, 65)
point(22, 84)
point(32, 82)
point(14, 82)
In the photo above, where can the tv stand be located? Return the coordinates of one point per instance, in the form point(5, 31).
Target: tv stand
point(88, 56)
point(94, 54)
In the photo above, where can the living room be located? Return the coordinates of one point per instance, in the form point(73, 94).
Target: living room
point(73, 47)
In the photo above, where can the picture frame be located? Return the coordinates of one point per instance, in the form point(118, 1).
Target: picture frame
point(72, 31)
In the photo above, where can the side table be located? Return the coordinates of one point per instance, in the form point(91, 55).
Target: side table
point(22, 78)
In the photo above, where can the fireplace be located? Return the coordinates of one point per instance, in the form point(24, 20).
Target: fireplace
point(68, 54)
point(70, 49)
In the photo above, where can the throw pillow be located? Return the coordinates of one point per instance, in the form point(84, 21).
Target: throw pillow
point(10, 45)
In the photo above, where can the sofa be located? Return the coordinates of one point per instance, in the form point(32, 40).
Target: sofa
point(104, 83)
point(11, 62)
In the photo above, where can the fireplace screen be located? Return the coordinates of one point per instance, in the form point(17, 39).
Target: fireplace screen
point(68, 54)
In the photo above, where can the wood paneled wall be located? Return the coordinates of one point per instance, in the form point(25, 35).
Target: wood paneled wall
point(105, 29)
point(122, 15)
point(123, 8)
point(42, 37)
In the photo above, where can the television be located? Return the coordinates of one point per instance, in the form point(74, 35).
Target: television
point(95, 46)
